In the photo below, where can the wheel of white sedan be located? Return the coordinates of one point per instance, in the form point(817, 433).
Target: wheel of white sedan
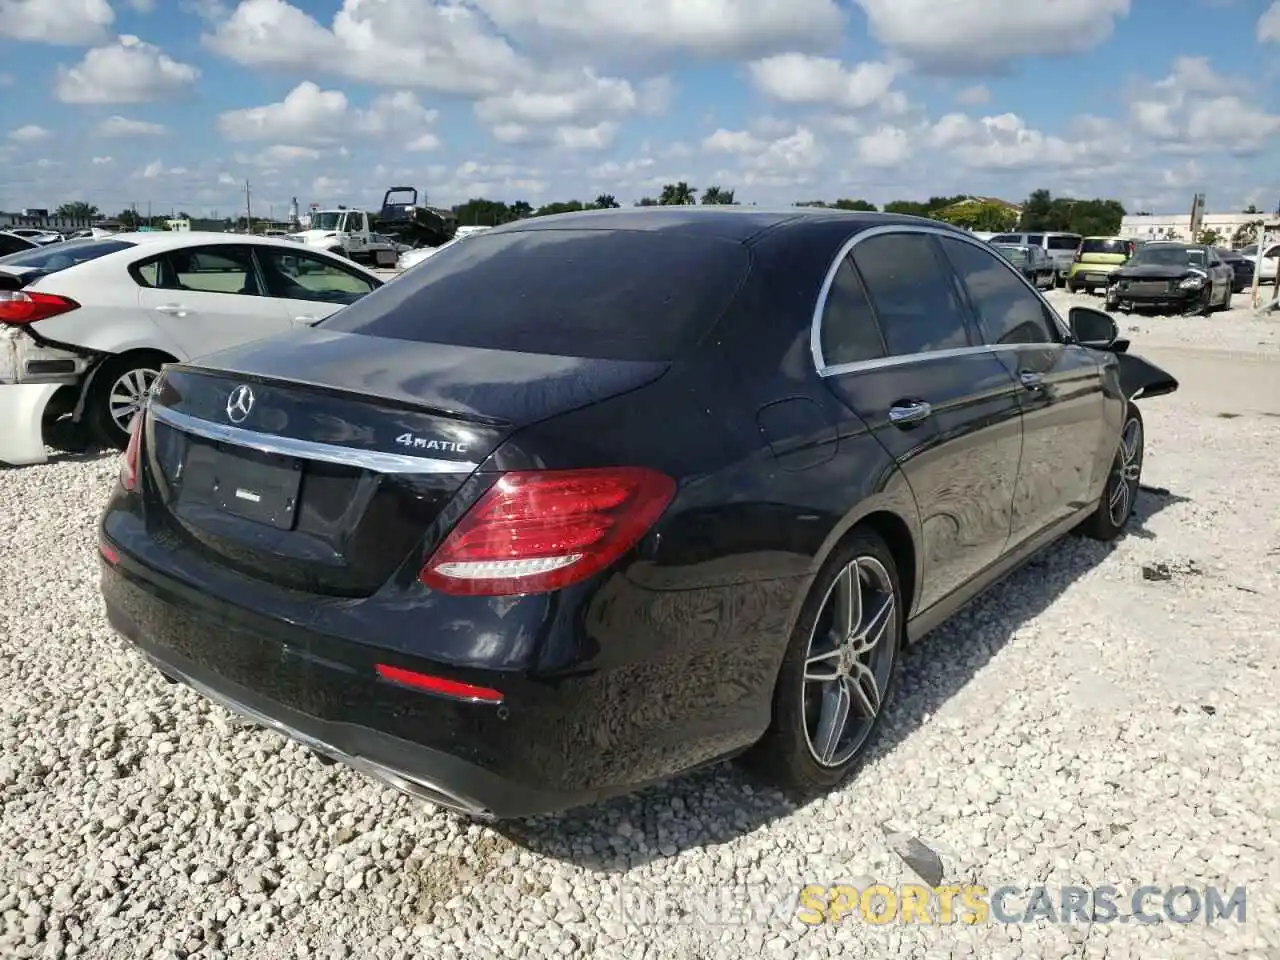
point(118, 391)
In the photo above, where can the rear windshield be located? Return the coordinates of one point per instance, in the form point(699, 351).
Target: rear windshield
point(1120, 247)
point(59, 256)
point(1063, 241)
point(603, 294)
point(1016, 254)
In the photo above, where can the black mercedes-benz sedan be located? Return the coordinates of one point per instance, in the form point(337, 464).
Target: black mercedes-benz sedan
point(594, 499)
point(1172, 276)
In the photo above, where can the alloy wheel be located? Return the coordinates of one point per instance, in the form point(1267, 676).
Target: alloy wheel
point(127, 395)
point(849, 660)
point(1127, 472)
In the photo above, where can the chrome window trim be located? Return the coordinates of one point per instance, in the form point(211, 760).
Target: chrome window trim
point(815, 323)
point(308, 449)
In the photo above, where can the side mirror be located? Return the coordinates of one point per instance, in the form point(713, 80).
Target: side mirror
point(1093, 328)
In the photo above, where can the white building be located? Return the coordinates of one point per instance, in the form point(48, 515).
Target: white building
point(1177, 226)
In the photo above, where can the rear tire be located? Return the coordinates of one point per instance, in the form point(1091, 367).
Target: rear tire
point(120, 386)
point(849, 636)
point(1121, 492)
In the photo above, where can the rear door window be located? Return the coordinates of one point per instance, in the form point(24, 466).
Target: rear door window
point(220, 269)
point(1063, 241)
point(913, 293)
point(603, 294)
point(1014, 238)
point(1035, 239)
point(849, 331)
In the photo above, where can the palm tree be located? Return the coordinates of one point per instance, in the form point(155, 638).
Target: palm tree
point(678, 194)
point(606, 201)
point(647, 202)
point(714, 195)
point(77, 210)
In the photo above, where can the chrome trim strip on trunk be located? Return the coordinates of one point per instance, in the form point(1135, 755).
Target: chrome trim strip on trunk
point(397, 779)
point(374, 460)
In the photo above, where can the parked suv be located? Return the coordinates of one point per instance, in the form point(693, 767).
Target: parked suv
point(1061, 247)
point(1095, 260)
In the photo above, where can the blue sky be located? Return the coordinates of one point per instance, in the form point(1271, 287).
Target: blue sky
point(175, 103)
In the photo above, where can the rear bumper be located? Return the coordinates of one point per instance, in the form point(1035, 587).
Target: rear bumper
point(641, 709)
point(1092, 272)
point(424, 772)
point(22, 407)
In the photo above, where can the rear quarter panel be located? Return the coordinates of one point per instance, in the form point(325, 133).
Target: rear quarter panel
point(110, 319)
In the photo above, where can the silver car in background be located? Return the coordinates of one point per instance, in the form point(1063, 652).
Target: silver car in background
point(1061, 248)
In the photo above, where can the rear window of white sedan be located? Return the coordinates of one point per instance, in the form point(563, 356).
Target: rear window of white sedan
point(60, 256)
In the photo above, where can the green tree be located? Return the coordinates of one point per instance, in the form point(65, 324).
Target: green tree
point(847, 204)
point(986, 215)
point(1209, 237)
point(713, 196)
point(811, 203)
point(560, 206)
point(646, 202)
point(606, 201)
point(520, 209)
point(678, 194)
point(479, 212)
point(77, 210)
point(1251, 208)
point(128, 220)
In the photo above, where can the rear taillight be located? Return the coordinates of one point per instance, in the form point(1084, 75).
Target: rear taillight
point(21, 306)
point(129, 462)
point(540, 530)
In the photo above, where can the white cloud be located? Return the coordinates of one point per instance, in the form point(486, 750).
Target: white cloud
point(118, 126)
point(576, 112)
point(99, 161)
point(781, 161)
point(1002, 142)
point(128, 71)
point(156, 169)
point(1269, 24)
point(1196, 110)
point(66, 22)
point(142, 6)
point(960, 36)
point(309, 114)
point(722, 28)
point(973, 96)
point(6, 80)
point(31, 133)
point(886, 146)
point(444, 47)
point(281, 154)
point(796, 78)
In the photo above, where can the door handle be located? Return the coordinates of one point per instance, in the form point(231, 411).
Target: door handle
point(173, 309)
point(1032, 381)
point(909, 412)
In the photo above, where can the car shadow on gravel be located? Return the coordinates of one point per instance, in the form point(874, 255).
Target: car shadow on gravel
point(721, 803)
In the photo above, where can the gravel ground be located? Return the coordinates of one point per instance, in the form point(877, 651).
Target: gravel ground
point(1107, 716)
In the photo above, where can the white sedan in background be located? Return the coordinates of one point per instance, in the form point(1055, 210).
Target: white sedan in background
point(85, 326)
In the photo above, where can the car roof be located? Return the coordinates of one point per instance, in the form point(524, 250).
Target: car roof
point(164, 239)
point(725, 222)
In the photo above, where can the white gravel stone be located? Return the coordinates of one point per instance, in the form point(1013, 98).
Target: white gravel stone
point(1079, 725)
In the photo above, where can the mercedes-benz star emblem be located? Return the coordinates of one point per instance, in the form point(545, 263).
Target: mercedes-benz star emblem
point(239, 403)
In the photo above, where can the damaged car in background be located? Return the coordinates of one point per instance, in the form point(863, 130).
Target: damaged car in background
point(1171, 276)
point(85, 326)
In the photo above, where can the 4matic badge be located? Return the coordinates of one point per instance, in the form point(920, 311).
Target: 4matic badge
point(425, 443)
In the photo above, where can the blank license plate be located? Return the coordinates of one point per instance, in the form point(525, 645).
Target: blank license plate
point(254, 486)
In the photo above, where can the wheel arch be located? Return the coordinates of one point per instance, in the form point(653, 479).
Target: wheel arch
point(87, 384)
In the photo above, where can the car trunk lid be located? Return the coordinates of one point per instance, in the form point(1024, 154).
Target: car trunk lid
point(318, 461)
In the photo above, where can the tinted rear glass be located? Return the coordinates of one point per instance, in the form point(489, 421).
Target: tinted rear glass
point(59, 256)
point(1067, 241)
point(1007, 238)
point(604, 294)
point(1119, 247)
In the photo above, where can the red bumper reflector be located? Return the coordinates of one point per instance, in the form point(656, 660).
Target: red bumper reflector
point(437, 685)
point(108, 554)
